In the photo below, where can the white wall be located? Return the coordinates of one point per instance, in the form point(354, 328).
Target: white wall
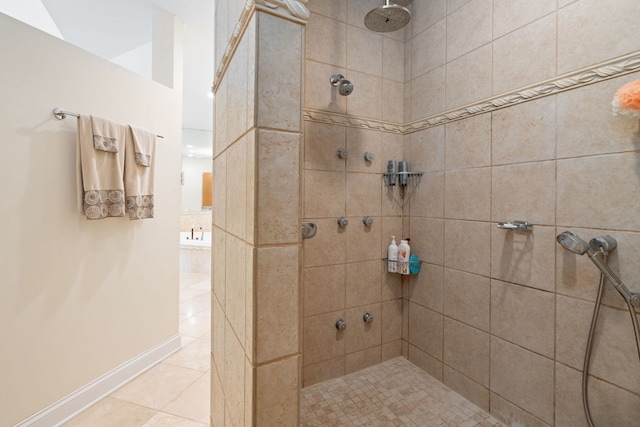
point(192, 170)
point(77, 298)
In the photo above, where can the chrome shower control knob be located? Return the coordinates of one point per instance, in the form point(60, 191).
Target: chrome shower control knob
point(341, 325)
point(342, 153)
point(368, 156)
point(336, 79)
point(368, 221)
point(367, 317)
point(343, 222)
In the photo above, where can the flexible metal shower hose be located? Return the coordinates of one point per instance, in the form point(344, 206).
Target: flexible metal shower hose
point(587, 354)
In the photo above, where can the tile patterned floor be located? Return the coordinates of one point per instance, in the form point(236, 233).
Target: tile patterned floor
point(394, 393)
point(174, 393)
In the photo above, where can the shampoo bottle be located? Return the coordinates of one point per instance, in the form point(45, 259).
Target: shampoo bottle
point(404, 253)
point(392, 256)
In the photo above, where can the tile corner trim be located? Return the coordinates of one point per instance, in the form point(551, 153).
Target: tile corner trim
point(293, 10)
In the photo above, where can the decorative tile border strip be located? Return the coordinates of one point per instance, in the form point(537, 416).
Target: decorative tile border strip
point(293, 10)
point(356, 122)
point(599, 72)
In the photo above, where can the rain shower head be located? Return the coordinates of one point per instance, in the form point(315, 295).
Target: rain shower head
point(570, 240)
point(387, 18)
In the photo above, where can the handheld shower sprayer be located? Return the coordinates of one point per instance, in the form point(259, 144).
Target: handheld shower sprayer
point(570, 240)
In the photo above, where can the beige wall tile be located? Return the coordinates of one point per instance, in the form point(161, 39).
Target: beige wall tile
point(425, 330)
point(332, 9)
point(236, 286)
point(468, 28)
point(326, 41)
point(427, 240)
point(391, 320)
point(463, 245)
point(221, 29)
point(524, 192)
point(467, 388)
point(218, 249)
point(363, 359)
point(361, 335)
point(525, 132)
point(249, 298)
point(428, 49)
point(319, 93)
point(393, 59)
point(609, 405)
point(573, 318)
point(427, 199)
point(327, 247)
point(217, 401)
point(219, 209)
point(277, 304)
point(468, 142)
point(324, 289)
point(234, 382)
point(321, 142)
point(218, 340)
point(362, 283)
point(364, 51)
point(523, 316)
point(467, 298)
point(523, 378)
point(363, 194)
point(428, 149)
point(278, 213)
point(509, 15)
point(586, 125)
point(322, 341)
point(365, 100)
point(277, 393)
point(324, 194)
point(391, 350)
point(468, 78)
point(525, 56)
point(236, 190)
point(424, 361)
point(363, 242)
point(511, 414)
point(426, 14)
point(524, 258)
point(453, 5)
point(466, 350)
point(612, 33)
point(467, 194)
point(426, 288)
point(323, 371)
point(279, 73)
point(360, 141)
point(575, 200)
point(433, 84)
point(392, 107)
point(238, 90)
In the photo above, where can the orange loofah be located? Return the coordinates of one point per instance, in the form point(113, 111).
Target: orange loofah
point(626, 100)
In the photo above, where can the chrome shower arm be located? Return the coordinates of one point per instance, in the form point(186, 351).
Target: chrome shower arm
point(631, 297)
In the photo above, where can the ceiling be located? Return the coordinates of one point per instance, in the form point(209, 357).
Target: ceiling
point(115, 29)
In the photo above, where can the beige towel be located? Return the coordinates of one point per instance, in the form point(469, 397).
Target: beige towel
point(138, 173)
point(101, 144)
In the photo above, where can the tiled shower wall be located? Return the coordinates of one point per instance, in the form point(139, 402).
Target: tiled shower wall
point(256, 216)
point(498, 316)
point(343, 273)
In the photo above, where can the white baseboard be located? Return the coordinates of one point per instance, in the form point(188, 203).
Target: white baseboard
point(86, 396)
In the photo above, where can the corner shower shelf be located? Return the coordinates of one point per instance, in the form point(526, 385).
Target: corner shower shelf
point(412, 178)
point(412, 266)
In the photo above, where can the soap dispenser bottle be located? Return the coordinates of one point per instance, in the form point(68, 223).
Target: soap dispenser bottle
point(404, 253)
point(392, 256)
